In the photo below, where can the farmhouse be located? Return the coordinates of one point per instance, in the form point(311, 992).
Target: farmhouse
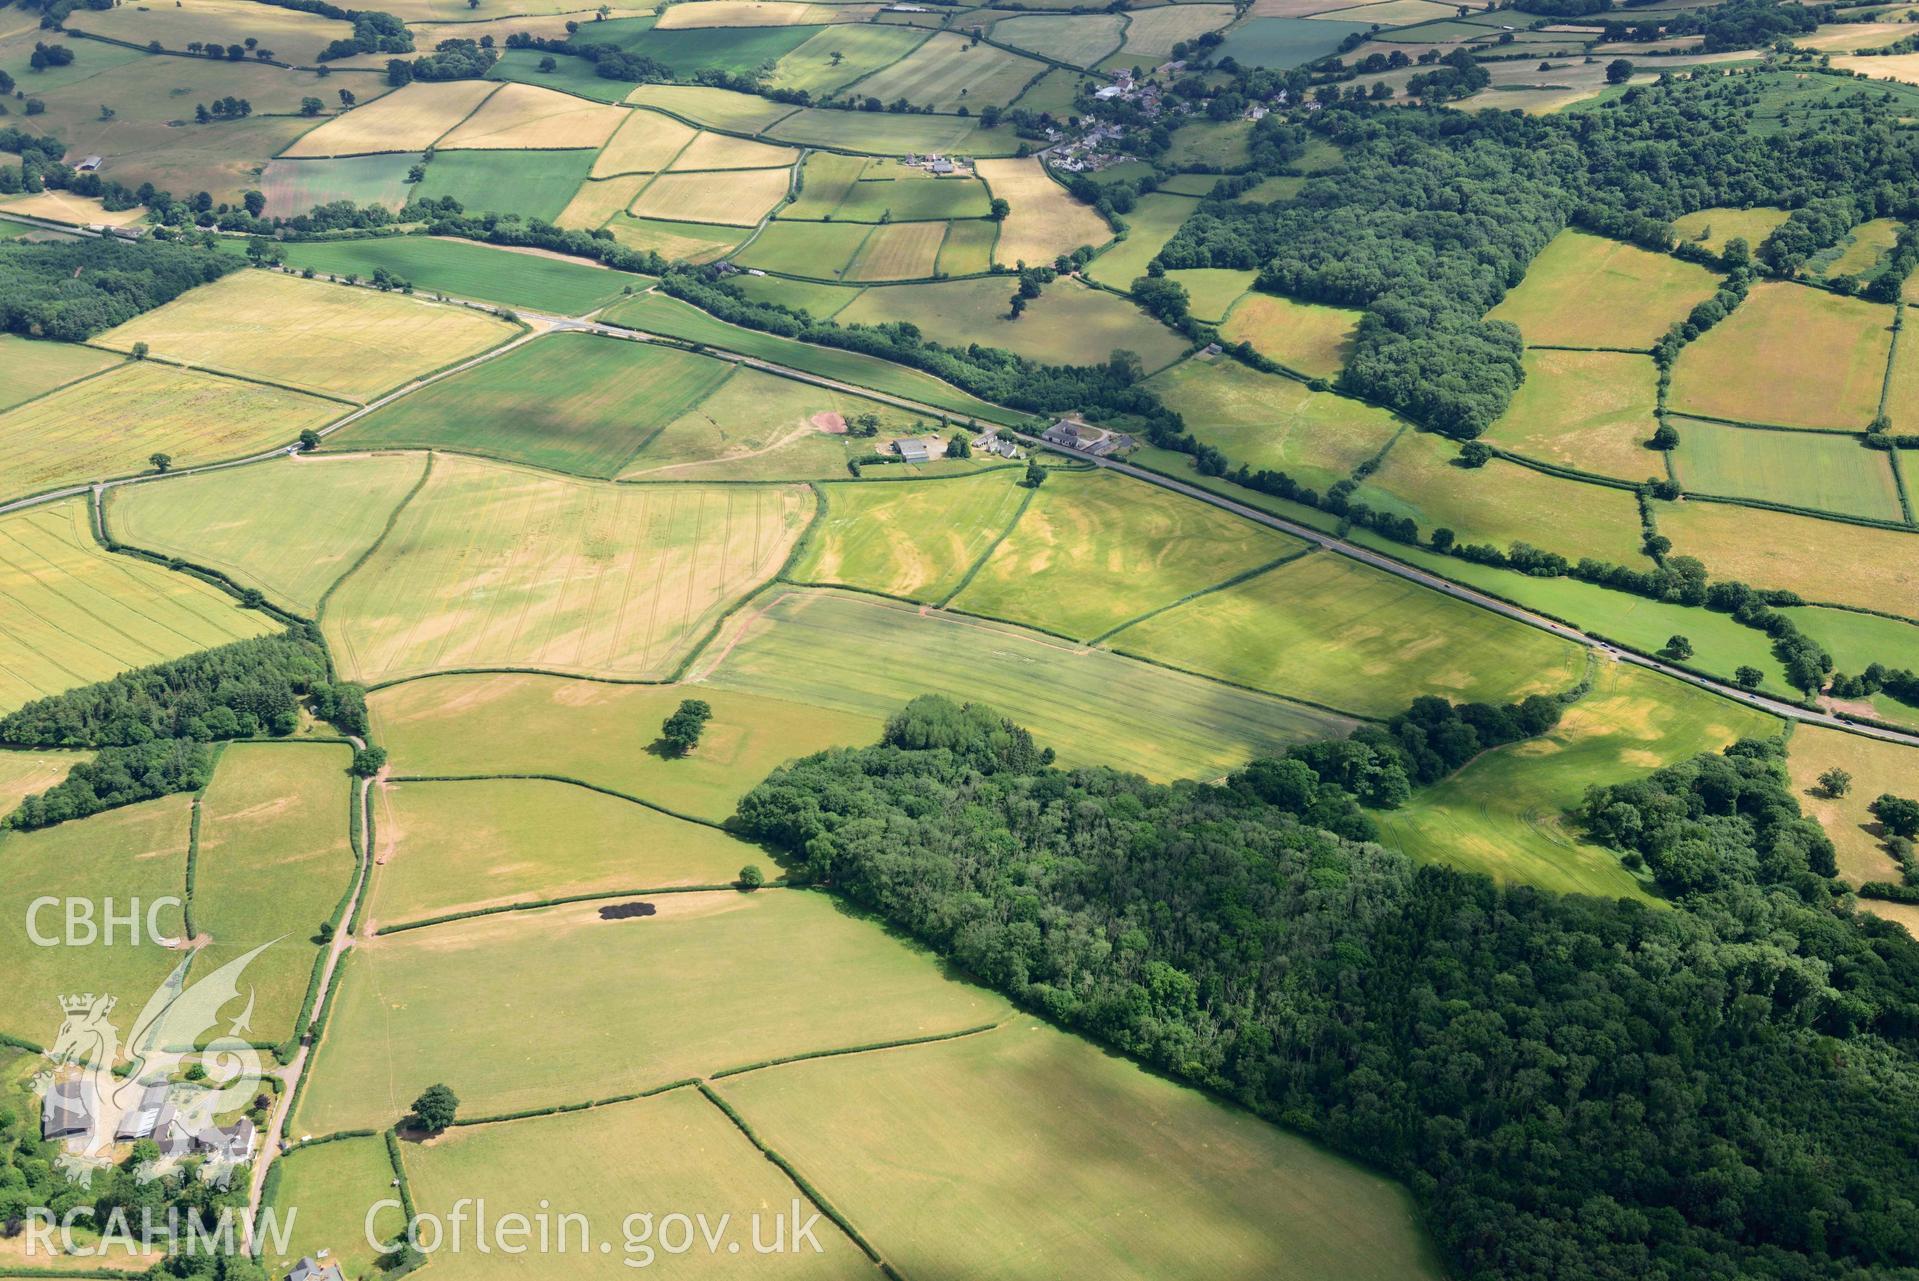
point(67, 1113)
point(311, 1269)
point(1071, 433)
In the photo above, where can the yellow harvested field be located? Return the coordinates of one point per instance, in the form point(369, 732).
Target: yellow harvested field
point(595, 202)
point(898, 251)
point(645, 142)
point(108, 426)
point(737, 199)
point(1845, 37)
point(1799, 553)
point(714, 108)
point(408, 119)
point(291, 36)
point(723, 151)
point(529, 117)
point(1876, 767)
point(759, 13)
point(498, 566)
point(1587, 291)
point(72, 613)
point(80, 211)
point(1045, 222)
point(676, 241)
point(1304, 336)
point(1903, 67)
point(1788, 355)
point(321, 337)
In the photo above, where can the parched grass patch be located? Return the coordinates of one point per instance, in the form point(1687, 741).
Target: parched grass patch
point(514, 723)
point(532, 184)
point(861, 49)
point(107, 426)
point(645, 142)
point(31, 367)
point(493, 566)
point(303, 333)
point(527, 116)
point(722, 151)
point(326, 1194)
point(1789, 355)
point(1068, 324)
point(865, 655)
point(72, 614)
point(408, 119)
point(1877, 767)
point(1586, 291)
point(461, 846)
point(289, 527)
point(274, 862)
point(543, 282)
point(1590, 411)
point(911, 539)
point(1799, 469)
point(1305, 336)
point(137, 852)
point(1149, 226)
point(1800, 554)
point(678, 1147)
point(717, 108)
point(1093, 551)
point(1330, 630)
point(1712, 228)
point(1272, 423)
point(517, 1011)
point(1045, 221)
point(23, 774)
point(734, 199)
point(296, 186)
point(1152, 33)
point(948, 72)
point(78, 211)
point(1079, 39)
point(1504, 814)
point(1503, 503)
point(676, 241)
point(1072, 1161)
point(573, 402)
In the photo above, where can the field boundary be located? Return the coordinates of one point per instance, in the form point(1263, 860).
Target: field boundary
point(392, 520)
point(559, 778)
point(986, 554)
point(565, 900)
point(1245, 575)
point(874, 1047)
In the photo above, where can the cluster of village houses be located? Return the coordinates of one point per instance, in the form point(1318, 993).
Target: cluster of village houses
point(1067, 433)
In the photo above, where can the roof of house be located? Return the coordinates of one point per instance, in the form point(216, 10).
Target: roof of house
point(311, 1269)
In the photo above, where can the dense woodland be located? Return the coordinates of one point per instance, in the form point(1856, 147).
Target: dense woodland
point(1571, 1087)
point(72, 290)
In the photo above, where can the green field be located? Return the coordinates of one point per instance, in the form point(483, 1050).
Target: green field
point(1213, 145)
point(968, 248)
point(949, 72)
point(76, 614)
point(1503, 503)
point(719, 108)
point(656, 313)
point(513, 723)
point(295, 186)
point(1799, 469)
point(516, 1011)
point(887, 134)
point(820, 250)
point(1068, 324)
point(1308, 337)
point(1079, 39)
point(821, 301)
point(1789, 355)
point(861, 654)
point(676, 1149)
point(1855, 640)
point(1332, 631)
point(1585, 291)
point(1071, 1162)
point(274, 862)
point(328, 1190)
point(29, 368)
point(1589, 411)
point(912, 540)
point(1093, 551)
point(1212, 291)
point(844, 188)
point(1149, 226)
point(737, 51)
point(532, 184)
point(288, 527)
point(861, 50)
point(576, 403)
point(569, 75)
point(493, 566)
point(1272, 423)
point(139, 852)
point(1281, 43)
point(561, 286)
point(1714, 227)
point(1503, 814)
point(455, 847)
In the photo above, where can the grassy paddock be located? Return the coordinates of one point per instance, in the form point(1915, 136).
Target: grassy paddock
point(1712, 228)
point(1586, 291)
point(1790, 355)
point(645, 143)
point(861, 654)
point(295, 186)
point(30, 368)
point(1799, 469)
point(861, 50)
point(1045, 222)
point(1079, 39)
point(1067, 324)
point(552, 284)
point(1149, 226)
point(738, 198)
point(913, 540)
point(288, 527)
point(23, 774)
point(1589, 411)
point(329, 1190)
point(1876, 768)
point(523, 116)
point(948, 72)
point(1301, 335)
point(1800, 553)
point(532, 184)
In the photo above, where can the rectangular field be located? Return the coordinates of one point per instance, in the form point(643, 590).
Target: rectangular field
point(527, 116)
point(1332, 631)
point(1585, 291)
point(514, 723)
point(968, 248)
point(30, 367)
point(1282, 43)
point(1799, 469)
point(494, 566)
point(717, 108)
point(1590, 411)
point(1072, 1162)
point(532, 184)
point(890, 134)
point(576, 403)
point(516, 1011)
point(460, 846)
point(72, 614)
point(1149, 226)
point(329, 1190)
point(408, 119)
point(296, 186)
point(868, 656)
point(542, 282)
point(1068, 324)
point(303, 333)
point(816, 250)
point(756, 13)
point(1045, 221)
point(273, 863)
point(645, 143)
point(834, 57)
point(1093, 551)
point(739, 199)
point(290, 527)
point(949, 72)
point(1789, 355)
point(910, 539)
point(1799, 553)
point(1079, 39)
point(1152, 33)
point(1308, 337)
point(723, 151)
point(675, 241)
point(107, 426)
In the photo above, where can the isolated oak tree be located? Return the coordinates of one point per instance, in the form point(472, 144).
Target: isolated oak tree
point(435, 1109)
